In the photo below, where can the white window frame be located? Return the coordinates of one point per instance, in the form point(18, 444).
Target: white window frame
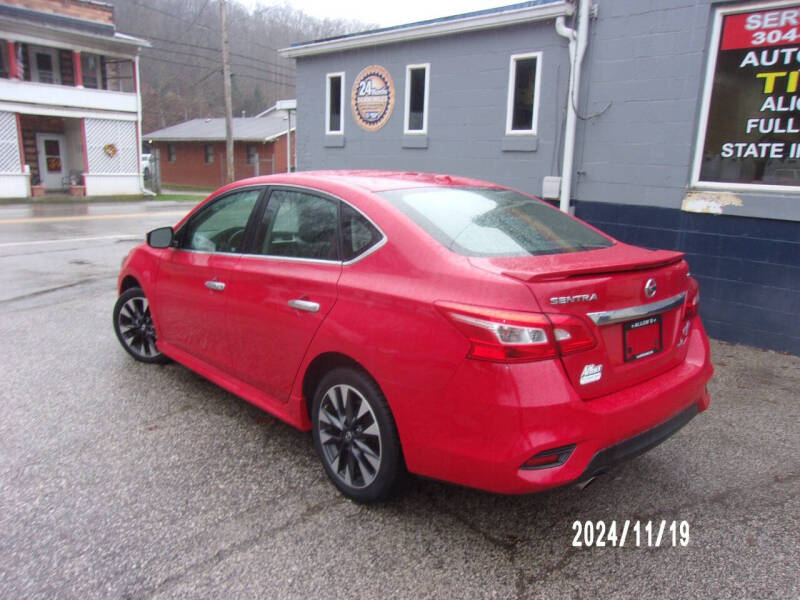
point(512, 76)
point(708, 84)
point(328, 78)
point(54, 55)
point(424, 130)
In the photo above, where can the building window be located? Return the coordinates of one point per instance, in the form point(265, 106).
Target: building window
point(417, 80)
point(252, 152)
point(4, 67)
point(524, 75)
point(44, 65)
point(90, 67)
point(209, 149)
point(171, 153)
point(750, 113)
point(334, 100)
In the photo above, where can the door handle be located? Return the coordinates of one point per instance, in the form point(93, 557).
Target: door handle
point(305, 305)
point(217, 286)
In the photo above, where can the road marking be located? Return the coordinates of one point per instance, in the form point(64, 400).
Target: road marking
point(121, 236)
point(173, 213)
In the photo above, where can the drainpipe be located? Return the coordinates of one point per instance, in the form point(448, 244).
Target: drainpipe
point(578, 39)
point(138, 89)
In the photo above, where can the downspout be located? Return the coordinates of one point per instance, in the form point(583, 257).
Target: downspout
point(578, 39)
point(138, 88)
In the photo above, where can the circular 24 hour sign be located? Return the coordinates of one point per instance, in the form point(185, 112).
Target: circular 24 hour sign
point(372, 99)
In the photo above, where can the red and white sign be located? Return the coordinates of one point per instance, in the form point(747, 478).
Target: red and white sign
point(777, 27)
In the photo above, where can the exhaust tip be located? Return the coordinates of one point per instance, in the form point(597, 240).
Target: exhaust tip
point(582, 485)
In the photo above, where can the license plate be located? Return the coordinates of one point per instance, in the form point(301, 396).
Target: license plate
point(642, 338)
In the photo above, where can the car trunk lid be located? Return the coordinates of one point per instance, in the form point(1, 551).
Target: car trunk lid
point(630, 298)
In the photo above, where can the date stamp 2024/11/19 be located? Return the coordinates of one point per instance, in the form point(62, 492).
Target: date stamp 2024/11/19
point(639, 534)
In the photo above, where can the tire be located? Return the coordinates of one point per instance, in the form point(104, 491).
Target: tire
point(355, 436)
point(134, 327)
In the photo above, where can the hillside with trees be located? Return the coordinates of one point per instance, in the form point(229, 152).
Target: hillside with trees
point(181, 74)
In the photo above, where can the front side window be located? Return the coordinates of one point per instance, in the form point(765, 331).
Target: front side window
point(301, 225)
point(334, 99)
point(220, 227)
point(523, 93)
point(209, 152)
point(171, 153)
point(494, 222)
point(416, 118)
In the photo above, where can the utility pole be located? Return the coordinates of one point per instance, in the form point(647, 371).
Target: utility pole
point(226, 79)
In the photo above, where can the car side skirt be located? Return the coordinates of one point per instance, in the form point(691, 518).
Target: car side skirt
point(259, 398)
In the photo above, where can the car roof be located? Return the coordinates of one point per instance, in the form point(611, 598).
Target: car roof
point(373, 181)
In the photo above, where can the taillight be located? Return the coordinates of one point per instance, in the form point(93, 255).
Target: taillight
point(571, 333)
point(692, 300)
point(515, 336)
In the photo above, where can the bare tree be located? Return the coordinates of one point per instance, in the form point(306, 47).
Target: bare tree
point(182, 73)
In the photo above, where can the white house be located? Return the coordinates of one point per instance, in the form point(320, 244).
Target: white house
point(70, 108)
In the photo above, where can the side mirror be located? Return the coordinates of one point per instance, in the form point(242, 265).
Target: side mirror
point(161, 237)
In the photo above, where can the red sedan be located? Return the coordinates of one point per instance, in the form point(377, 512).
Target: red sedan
point(429, 324)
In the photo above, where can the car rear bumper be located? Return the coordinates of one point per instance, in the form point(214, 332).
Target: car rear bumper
point(485, 446)
point(638, 444)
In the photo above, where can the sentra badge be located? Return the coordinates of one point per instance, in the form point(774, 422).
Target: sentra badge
point(591, 373)
point(576, 298)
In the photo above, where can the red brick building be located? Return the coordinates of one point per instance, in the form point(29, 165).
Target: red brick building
point(193, 153)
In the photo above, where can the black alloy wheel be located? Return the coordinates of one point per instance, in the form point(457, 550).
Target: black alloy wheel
point(355, 436)
point(134, 327)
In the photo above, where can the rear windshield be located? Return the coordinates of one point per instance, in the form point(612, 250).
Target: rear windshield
point(492, 222)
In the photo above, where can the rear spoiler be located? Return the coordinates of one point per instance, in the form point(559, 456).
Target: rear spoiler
point(661, 258)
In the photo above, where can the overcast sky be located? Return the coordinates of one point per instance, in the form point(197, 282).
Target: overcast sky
point(384, 13)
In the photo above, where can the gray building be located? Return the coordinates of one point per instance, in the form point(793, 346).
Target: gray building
point(685, 122)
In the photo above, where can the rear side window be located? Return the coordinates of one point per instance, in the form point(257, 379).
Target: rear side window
point(301, 225)
point(493, 222)
point(358, 234)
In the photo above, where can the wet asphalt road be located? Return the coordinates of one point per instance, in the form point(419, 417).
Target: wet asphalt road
point(122, 480)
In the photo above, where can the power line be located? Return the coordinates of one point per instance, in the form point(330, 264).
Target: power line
point(192, 23)
point(245, 76)
point(169, 14)
point(211, 49)
point(196, 17)
point(213, 60)
point(183, 64)
point(181, 53)
point(175, 62)
point(206, 76)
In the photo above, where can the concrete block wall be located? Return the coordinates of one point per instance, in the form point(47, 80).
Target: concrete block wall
point(467, 118)
point(748, 269)
point(645, 71)
point(644, 62)
point(644, 74)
